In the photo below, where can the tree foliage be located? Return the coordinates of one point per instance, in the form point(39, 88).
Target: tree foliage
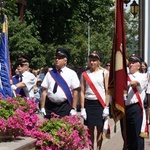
point(49, 24)
point(22, 41)
point(132, 37)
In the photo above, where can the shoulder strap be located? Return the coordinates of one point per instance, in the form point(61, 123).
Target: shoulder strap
point(104, 80)
point(86, 77)
point(62, 83)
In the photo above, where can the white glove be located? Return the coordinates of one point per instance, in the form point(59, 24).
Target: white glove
point(73, 112)
point(105, 112)
point(13, 87)
point(125, 97)
point(83, 113)
point(43, 111)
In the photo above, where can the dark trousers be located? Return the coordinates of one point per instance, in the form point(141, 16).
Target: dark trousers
point(62, 109)
point(133, 127)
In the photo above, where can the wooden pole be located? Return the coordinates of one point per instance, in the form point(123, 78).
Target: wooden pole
point(141, 42)
point(22, 3)
point(124, 132)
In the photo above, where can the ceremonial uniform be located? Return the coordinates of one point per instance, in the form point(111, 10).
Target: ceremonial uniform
point(142, 79)
point(29, 80)
point(71, 79)
point(57, 99)
point(137, 83)
point(94, 98)
point(93, 107)
point(24, 82)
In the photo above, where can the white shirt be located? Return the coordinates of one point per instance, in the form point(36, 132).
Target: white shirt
point(148, 86)
point(29, 80)
point(142, 79)
point(97, 78)
point(71, 79)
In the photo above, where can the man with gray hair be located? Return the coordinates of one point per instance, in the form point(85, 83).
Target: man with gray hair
point(136, 126)
point(60, 88)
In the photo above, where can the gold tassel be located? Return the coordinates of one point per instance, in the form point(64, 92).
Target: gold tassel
point(104, 136)
point(144, 135)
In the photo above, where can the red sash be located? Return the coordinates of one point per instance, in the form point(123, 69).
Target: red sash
point(144, 128)
point(137, 94)
point(106, 128)
point(85, 75)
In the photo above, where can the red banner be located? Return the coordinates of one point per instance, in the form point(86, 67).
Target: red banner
point(118, 69)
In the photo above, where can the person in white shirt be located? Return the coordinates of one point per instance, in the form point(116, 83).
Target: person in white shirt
point(137, 83)
point(24, 82)
point(94, 110)
point(60, 88)
point(148, 94)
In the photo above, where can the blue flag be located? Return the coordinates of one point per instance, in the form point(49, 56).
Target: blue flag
point(5, 87)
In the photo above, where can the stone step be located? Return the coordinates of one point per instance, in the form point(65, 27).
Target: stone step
point(21, 143)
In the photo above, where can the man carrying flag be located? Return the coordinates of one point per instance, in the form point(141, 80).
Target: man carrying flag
point(127, 104)
point(5, 88)
point(137, 127)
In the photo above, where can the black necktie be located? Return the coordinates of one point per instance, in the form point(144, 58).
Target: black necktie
point(55, 86)
point(20, 77)
point(22, 93)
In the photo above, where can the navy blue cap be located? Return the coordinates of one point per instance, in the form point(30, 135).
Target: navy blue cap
point(63, 52)
point(23, 58)
point(135, 58)
point(95, 55)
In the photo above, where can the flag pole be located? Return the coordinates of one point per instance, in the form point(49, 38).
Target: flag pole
point(118, 70)
point(2, 6)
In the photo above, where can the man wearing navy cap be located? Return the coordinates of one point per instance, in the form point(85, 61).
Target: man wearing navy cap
point(135, 112)
point(24, 82)
point(61, 86)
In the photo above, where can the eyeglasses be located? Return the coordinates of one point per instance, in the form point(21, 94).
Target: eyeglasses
point(108, 65)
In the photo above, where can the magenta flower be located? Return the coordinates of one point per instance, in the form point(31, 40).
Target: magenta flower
point(62, 133)
point(18, 118)
point(15, 117)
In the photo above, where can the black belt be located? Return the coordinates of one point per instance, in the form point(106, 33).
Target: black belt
point(128, 106)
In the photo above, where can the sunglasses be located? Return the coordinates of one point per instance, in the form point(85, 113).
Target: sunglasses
point(21, 64)
point(107, 65)
point(60, 57)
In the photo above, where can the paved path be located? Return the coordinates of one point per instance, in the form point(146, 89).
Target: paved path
point(116, 142)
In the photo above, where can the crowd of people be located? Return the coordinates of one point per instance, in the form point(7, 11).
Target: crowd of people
point(58, 90)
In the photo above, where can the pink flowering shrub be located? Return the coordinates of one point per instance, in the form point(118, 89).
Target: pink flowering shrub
point(62, 133)
point(17, 116)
